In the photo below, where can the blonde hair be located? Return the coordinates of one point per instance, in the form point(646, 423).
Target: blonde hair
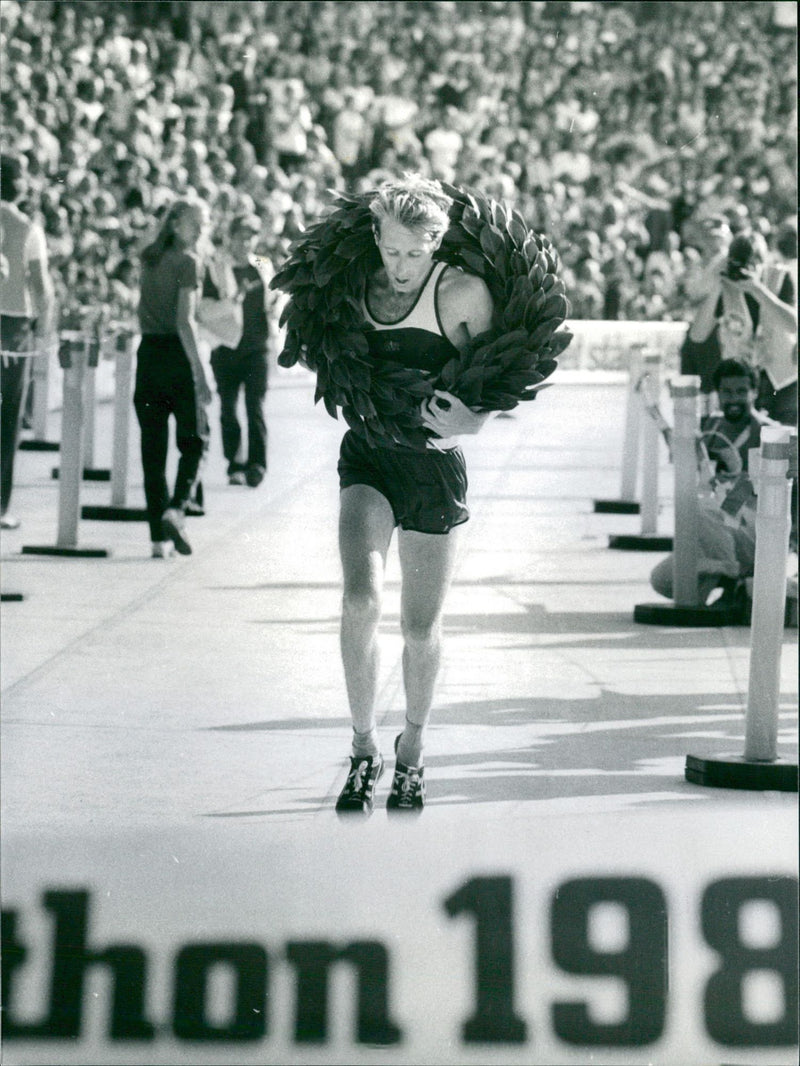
point(415, 202)
point(165, 237)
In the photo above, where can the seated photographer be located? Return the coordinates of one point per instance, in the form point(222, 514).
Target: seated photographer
point(730, 434)
point(726, 501)
point(754, 311)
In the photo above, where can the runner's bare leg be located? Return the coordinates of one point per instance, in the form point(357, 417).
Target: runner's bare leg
point(426, 562)
point(366, 524)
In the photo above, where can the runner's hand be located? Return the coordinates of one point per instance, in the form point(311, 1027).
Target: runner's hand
point(447, 416)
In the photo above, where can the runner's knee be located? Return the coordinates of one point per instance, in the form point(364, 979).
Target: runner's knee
point(420, 630)
point(362, 603)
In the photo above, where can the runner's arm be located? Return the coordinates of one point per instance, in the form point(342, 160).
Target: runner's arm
point(470, 303)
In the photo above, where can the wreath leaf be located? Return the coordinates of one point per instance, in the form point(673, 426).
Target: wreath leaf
point(325, 276)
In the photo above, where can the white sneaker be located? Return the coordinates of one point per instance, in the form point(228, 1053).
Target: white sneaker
point(162, 549)
point(173, 523)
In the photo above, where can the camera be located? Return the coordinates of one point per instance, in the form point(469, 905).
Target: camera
point(741, 257)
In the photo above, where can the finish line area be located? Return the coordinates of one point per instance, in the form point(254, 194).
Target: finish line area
point(321, 946)
point(175, 733)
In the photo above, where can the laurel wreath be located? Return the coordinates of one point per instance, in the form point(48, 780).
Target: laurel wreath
point(325, 277)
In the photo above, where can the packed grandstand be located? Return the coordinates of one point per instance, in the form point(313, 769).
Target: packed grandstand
point(613, 127)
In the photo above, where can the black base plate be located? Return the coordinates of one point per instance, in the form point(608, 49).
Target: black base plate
point(643, 542)
point(39, 445)
point(90, 473)
point(616, 507)
point(729, 771)
point(114, 514)
point(47, 549)
point(670, 614)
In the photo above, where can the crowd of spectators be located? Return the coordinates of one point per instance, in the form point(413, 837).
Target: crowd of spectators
point(613, 127)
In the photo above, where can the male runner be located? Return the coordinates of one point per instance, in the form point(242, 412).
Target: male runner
point(422, 312)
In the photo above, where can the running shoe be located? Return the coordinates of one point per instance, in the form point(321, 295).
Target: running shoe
point(358, 794)
point(172, 522)
point(237, 478)
point(161, 549)
point(408, 787)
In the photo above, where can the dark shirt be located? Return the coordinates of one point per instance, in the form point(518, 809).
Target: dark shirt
point(256, 329)
point(416, 349)
point(161, 282)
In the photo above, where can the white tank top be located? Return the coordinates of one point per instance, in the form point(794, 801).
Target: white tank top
point(423, 314)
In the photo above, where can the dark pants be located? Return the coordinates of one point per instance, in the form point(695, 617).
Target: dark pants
point(16, 335)
point(232, 371)
point(165, 386)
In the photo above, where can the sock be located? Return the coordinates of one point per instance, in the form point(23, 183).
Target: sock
point(409, 748)
point(366, 743)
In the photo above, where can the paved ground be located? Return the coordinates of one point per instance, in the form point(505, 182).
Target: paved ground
point(202, 697)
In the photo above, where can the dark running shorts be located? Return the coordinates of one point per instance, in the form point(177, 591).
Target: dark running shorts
point(427, 491)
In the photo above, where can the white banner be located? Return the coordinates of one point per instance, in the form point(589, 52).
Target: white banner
point(657, 938)
point(606, 345)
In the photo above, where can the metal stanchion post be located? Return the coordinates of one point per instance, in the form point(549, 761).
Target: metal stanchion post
point(773, 524)
point(72, 440)
point(685, 557)
point(38, 359)
point(73, 355)
point(90, 471)
point(648, 539)
point(685, 609)
point(123, 384)
point(89, 400)
point(627, 503)
point(650, 453)
point(123, 396)
point(40, 381)
point(760, 767)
